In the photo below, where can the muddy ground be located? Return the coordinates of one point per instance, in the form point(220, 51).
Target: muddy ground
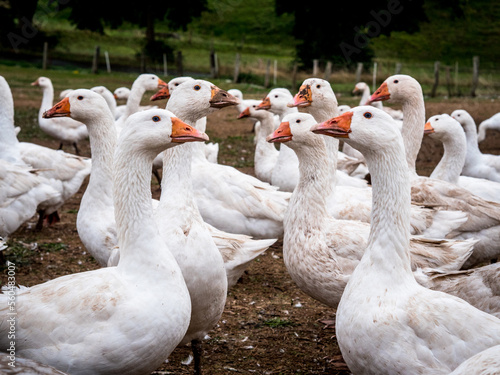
point(269, 326)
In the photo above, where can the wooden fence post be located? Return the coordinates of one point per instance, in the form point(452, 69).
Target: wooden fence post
point(45, 55)
point(315, 67)
point(328, 70)
point(268, 69)
point(165, 71)
point(95, 61)
point(436, 79)
point(108, 65)
point(475, 75)
point(212, 63)
point(359, 70)
point(374, 81)
point(236, 68)
point(398, 68)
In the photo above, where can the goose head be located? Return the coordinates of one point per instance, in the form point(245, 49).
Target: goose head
point(154, 130)
point(196, 98)
point(314, 92)
point(42, 82)
point(100, 90)
point(252, 111)
point(365, 128)
point(442, 126)
point(149, 82)
point(465, 119)
point(165, 91)
point(82, 105)
point(359, 87)
point(344, 108)
point(396, 89)
point(295, 130)
point(276, 101)
point(121, 93)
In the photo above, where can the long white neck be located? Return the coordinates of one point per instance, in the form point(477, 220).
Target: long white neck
point(365, 95)
point(308, 203)
point(134, 99)
point(389, 238)
point(262, 147)
point(8, 137)
point(471, 136)
point(451, 164)
point(322, 113)
point(103, 139)
point(47, 99)
point(413, 129)
point(110, 100)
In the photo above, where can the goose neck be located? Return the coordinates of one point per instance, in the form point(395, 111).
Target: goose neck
point(47, 99)
point(176, 184)
point(413, 129)
point(451, 164)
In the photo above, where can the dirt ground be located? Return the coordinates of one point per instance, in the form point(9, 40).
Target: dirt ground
point(269, 326)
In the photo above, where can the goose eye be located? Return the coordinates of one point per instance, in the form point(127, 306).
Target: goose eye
point(298, 121)
point(80, 97)
point(156, 118)
point(367, 115)
point(437, 119)
point(275, 96)
point(396, 81)
point(197, 87)
point(318, 86)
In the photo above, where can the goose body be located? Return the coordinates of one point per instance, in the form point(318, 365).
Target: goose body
point(63, 172)
point(476, 163)
point(448, 131)
point(125, 319)
point(341, 241)
point(483, 216)
point(486, 362)
point(386, 322)
point(66, 131)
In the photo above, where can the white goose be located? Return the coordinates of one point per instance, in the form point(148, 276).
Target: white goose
point(342, 241)
point(121, 95)
point(22, 194)
point(483, 217)
point(64, 172)
point(115, 320)
point(316, 97)
point(181, 224)
point(492, 123)
point(266, 154)
point(386, 322)
point(449, 132)
point(144, 82)
point(233, 201)
point(66, 131)
point(476, 164)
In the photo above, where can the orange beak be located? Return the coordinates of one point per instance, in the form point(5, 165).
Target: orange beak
point(303, 98)
point(265, 104)
point(162, 93)
point(428, 129)
point(61, 109)
point(35, 83)
point(280, 135)
point(245, 113)
point(381, 94)
point(182, 132)
point(161, 83)
point(338, 127)
point(221, 98)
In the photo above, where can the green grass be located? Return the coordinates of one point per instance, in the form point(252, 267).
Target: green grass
point(277, 322)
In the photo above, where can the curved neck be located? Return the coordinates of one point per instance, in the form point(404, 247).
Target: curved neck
point(262, 147)
point(451, 164)
point(471, 137)
point(176, 184)
point(8, 137)
point(365, 96)
point(47, 99)
point(413, 129)
point(134, 98)
point(389, 238)
point(308, 203)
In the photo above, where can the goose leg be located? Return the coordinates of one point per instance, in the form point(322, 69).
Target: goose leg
point(76, 148)
point(41, 217)
point(60, 146)
point(157, 175)
point(197, 351)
